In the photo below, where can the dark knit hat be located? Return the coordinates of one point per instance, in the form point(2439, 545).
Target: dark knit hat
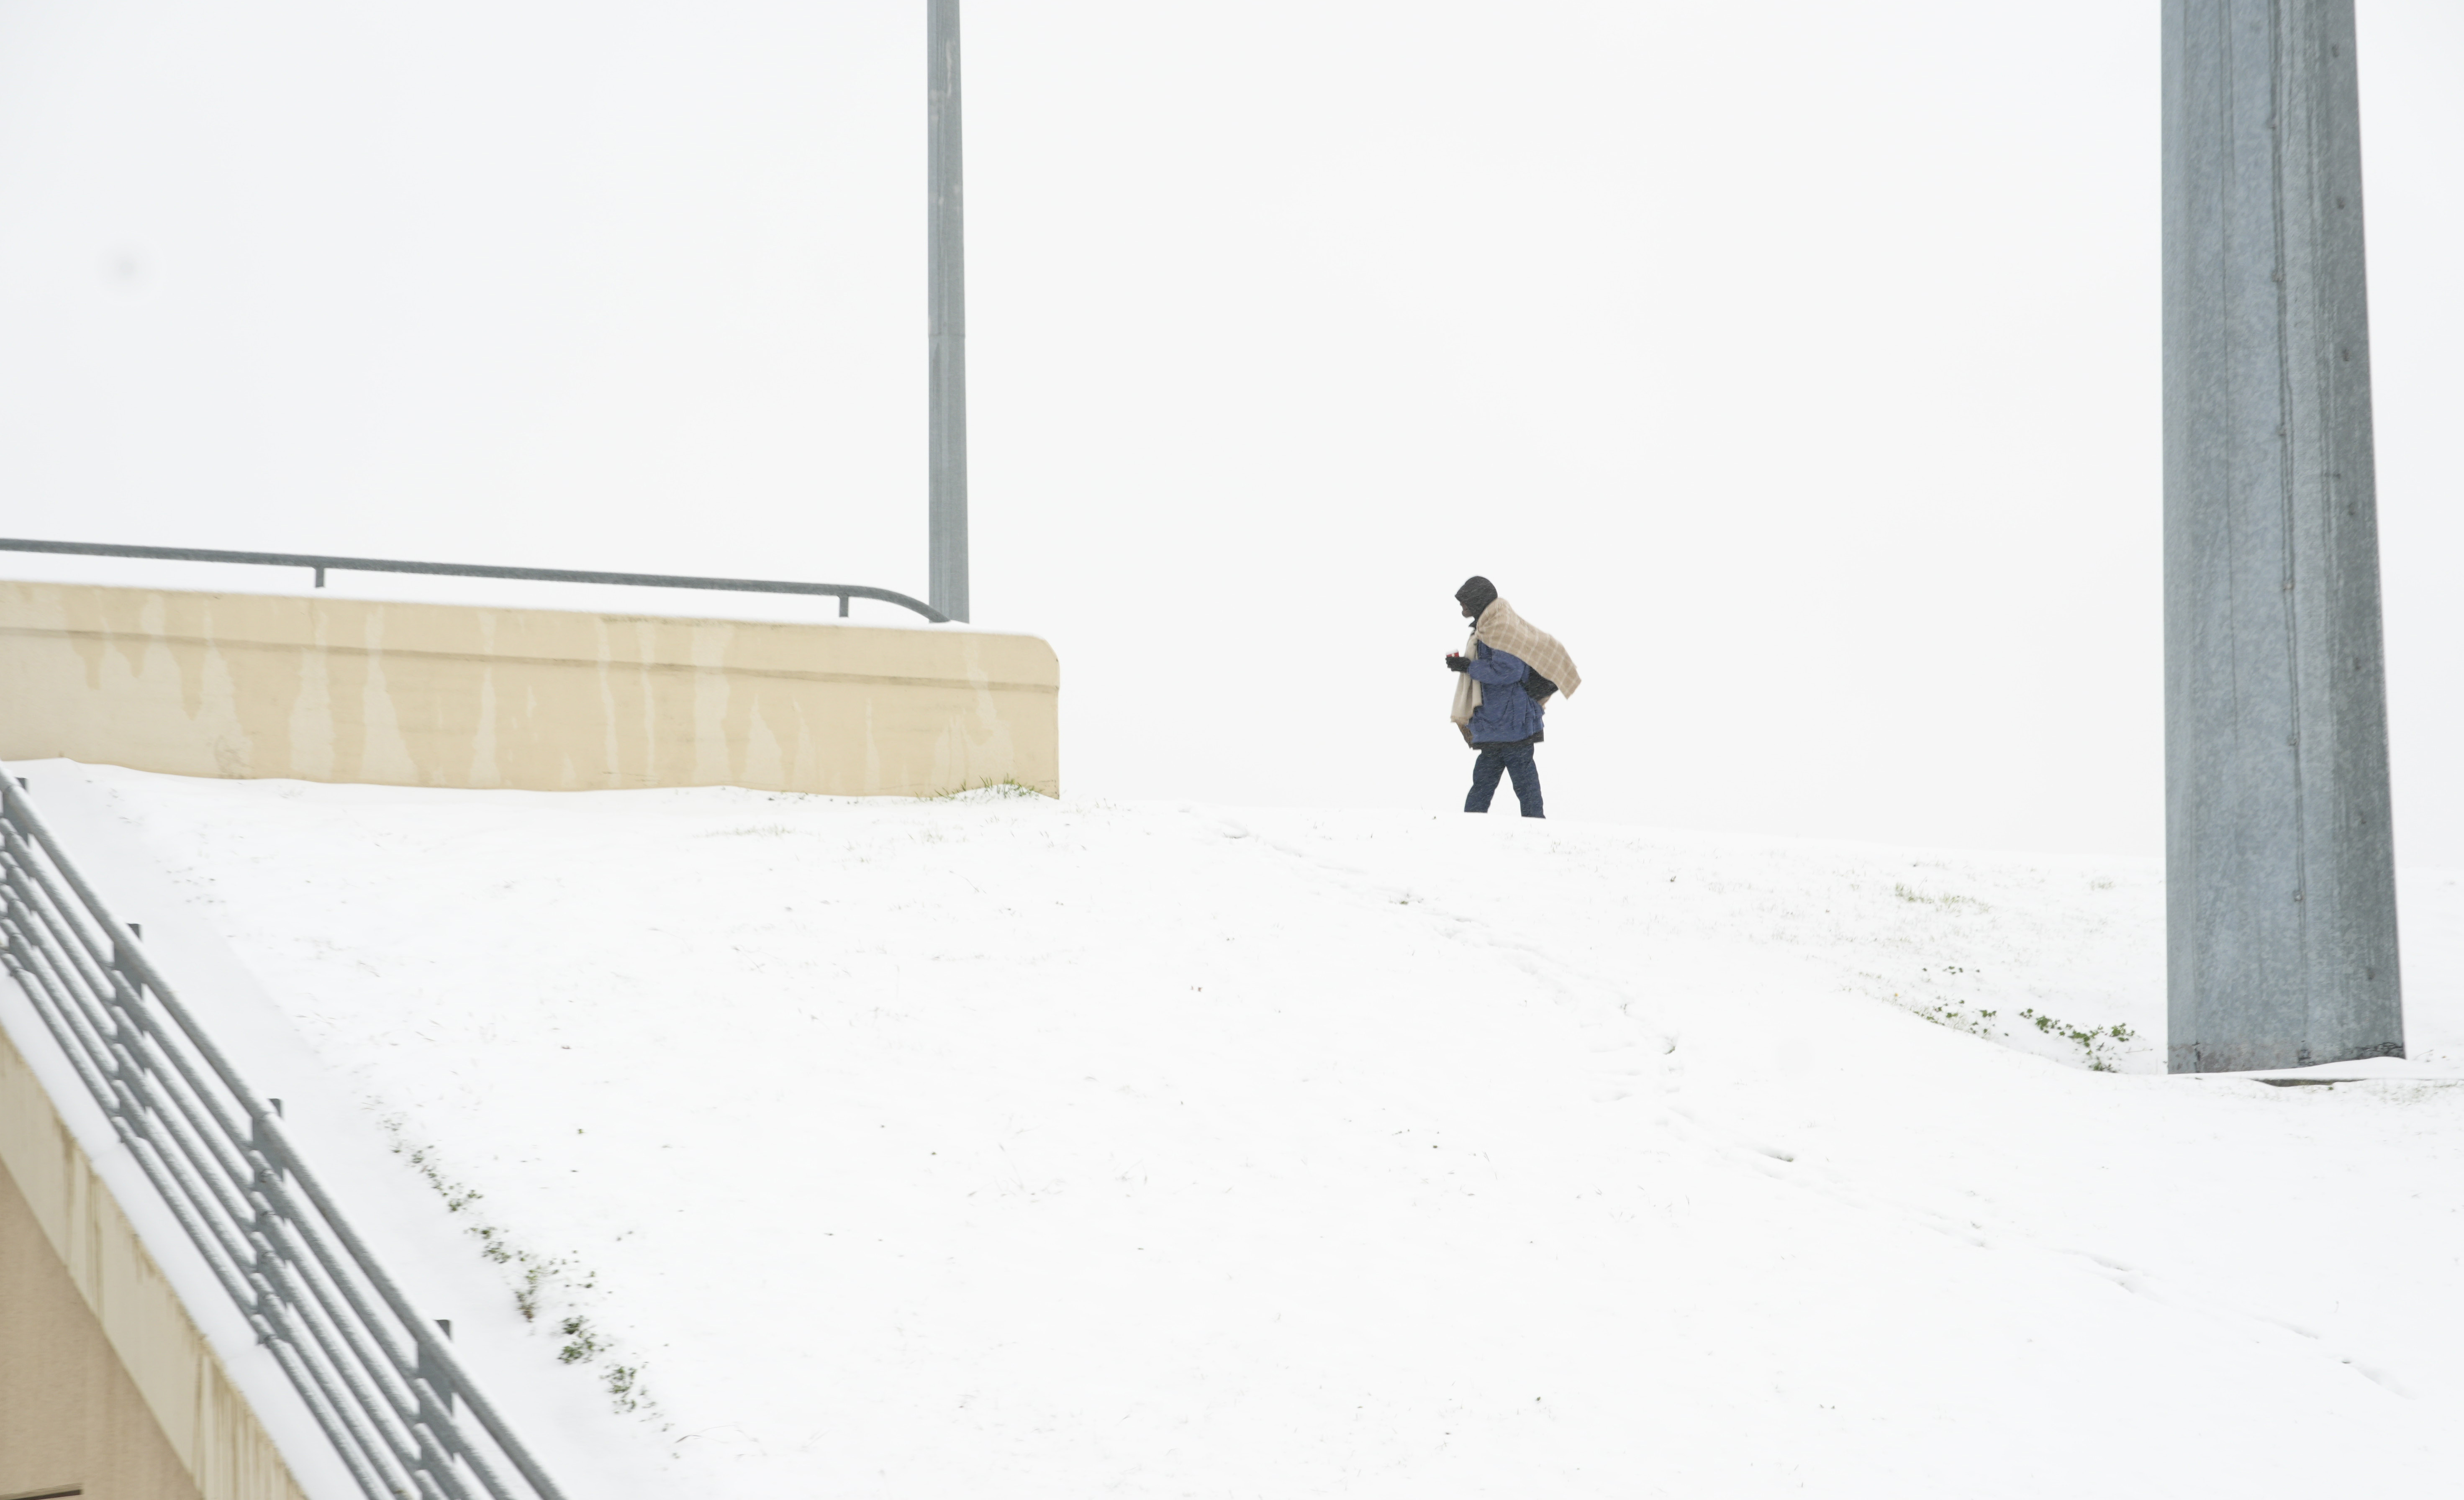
point(1476, 594)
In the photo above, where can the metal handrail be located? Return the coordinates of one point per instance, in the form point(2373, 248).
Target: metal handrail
point(377, 1376)
point(549, 575)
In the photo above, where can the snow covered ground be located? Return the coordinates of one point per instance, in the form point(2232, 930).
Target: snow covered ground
point(1001, 1146)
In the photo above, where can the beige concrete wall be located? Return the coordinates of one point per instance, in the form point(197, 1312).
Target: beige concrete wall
point(104, 1380)
point(344, 690)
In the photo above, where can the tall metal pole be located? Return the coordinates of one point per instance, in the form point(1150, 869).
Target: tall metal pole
point(2279, 861)
point(947, 291)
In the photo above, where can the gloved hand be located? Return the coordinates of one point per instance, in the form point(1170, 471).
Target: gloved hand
point(1455, 663)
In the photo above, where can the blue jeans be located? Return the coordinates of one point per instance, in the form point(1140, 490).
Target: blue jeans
point(1497, 761)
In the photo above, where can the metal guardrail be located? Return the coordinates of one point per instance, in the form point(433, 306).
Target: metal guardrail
point(377, 1377)
point(549, 575)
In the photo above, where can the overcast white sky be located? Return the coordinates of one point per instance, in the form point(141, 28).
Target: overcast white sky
point(1798, 363)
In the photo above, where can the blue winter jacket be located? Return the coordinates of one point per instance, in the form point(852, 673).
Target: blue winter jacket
point(1505, 712)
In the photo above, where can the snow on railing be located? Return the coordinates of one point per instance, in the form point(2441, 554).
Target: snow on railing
point(377, 1376)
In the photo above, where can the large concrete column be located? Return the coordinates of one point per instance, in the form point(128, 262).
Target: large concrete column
point(946, 292)
point(2281, 931)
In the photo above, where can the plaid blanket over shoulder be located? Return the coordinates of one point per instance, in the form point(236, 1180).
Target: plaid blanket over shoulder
point(1510, 632)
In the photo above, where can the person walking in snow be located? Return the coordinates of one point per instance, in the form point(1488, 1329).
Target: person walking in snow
point(1507, 672)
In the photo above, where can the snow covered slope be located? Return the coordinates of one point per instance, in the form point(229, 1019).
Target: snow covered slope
point(1003, 1147)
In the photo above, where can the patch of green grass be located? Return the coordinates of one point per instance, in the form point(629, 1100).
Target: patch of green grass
point(1950, 1013)
point(2098, 1044)
point(1004, 789)
point(623, 1381)
point(1906, 894)
point(538, 1280)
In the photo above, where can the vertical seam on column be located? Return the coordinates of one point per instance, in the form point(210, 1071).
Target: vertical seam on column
point(2180, 823)
point(2318, 191)
point(2229, 106)
point(2277, 99)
